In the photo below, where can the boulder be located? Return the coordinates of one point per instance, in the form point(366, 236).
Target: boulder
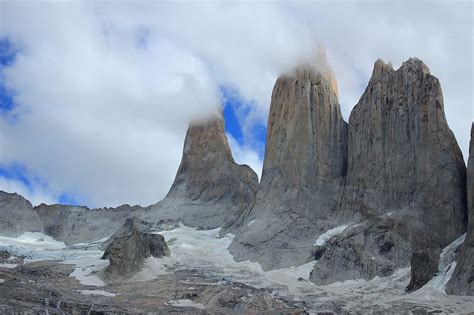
point(17, 216)
point(129, 246)
point(424, 266)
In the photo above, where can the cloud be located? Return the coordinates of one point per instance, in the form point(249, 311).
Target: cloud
point(244, 154)
point(103, 91)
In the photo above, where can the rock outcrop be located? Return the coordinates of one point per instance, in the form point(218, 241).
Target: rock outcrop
point(209, 188)
point(405, 180)
point(424, 266)
point(17, 216)
point(129, 247)
point(462, 280)
point(303, 171)
point(73, 224)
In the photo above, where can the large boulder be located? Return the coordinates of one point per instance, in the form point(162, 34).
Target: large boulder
point(209, 188)
point(303, 171)
point(462, 280)
point(424, 266)
point(129, 246)
point(17, 216)
point(405, 179)
point(74, 224)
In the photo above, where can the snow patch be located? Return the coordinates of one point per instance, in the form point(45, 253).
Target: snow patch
point(251, 222)
point(186, 303)
point(2, 280)
point(446, 266)
point(86, 269)
point(97, 292)
point(8, 266)
point(323, 238)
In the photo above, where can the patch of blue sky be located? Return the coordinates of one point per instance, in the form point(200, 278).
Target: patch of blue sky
point(236, 109)
point(19, 173)
point(7, 58)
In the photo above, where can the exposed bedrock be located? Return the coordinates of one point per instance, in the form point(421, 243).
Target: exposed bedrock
point(405, 170)
point(73, 224)
point(303, 171)
point(462, 280)
point(17, 216)
point(209, 188)
point(128, 248)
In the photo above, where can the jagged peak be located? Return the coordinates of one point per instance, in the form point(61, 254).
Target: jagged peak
point(415, 63)
point(382, 69)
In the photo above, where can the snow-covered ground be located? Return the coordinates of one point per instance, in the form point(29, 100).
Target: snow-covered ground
point(323, 238)
point(203, 250)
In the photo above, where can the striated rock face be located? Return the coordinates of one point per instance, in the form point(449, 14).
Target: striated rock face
point(424, 266)
point(405, 171)
point(209, 188)
point(17, 216)
point(129, 247)
point(462, 280)
point(72, 224)
point(303, 171)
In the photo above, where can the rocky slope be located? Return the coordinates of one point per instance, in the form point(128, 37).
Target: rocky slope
point(17, 215)
point(303, 171)
point(462, 281)
point(405, 179)
point(72, 224)
point(209, 188)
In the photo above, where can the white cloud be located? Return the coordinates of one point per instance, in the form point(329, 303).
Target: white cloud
point(36, 194)
point(105, 91)
point(246, 155)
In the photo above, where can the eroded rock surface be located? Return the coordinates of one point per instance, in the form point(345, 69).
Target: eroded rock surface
point(73, 224)
point(462, 280)
point(17, 215)
point(405, 170)
point(129, 247)
point(209, 188)
point(303, 171)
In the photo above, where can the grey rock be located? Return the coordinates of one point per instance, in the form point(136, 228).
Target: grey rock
point(404, 168)
point(462, 280)
point(303, 171)
point(129, 247)
point(73, 224)
point(17, 216)
point(424, 266)
point(209, 188)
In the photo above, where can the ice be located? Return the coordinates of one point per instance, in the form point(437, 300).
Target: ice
point(86, 269)
point(186, 303)
point(323, 238)
point(446, 266)
point(8, 266)
point(97, 292)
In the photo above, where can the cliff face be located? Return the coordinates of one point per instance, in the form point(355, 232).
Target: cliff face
point(405, 179)
point(73, 224)
point(209, 188)
point(17, 216)
point(303, 172)
point(462, 280)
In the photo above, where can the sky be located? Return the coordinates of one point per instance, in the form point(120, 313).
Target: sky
point(95, 97)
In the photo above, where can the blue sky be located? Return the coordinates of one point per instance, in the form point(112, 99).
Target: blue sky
point(95, 98)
